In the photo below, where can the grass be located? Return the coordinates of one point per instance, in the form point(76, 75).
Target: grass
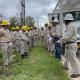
point(40, 65)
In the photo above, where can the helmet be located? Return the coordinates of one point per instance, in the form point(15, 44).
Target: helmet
point(28, 28)
point(69, 17)
point(13, 28)
point(5, 22)
point(46, 25)
point(31, 27)
point(17, 27)
point(56, 20)
point(24, 28)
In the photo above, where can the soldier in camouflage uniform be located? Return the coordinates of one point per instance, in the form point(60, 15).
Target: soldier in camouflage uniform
point(35, 35)
point(49, 39)
point(31, 38)
point(6, 42)
point(45, 38)
point(42, 35)
point(17, 39)
point(23, 45)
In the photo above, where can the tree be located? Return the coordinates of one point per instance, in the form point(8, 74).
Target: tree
point(13, 21)
point(1, 17)
point(30, 21)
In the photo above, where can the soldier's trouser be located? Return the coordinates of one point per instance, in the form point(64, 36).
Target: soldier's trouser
point(17, 45)
point(42, 40)
point(35, 40)
point(31, 44)
point(26, 46)
point(63, 49)
point(49, 45)
point(6, 51)
point(45, 42)
point(53, 47)
point(58, 50)
point(22, 47)
point(70, 55)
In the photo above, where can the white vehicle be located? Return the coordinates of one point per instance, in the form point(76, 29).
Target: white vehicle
point(77, 24)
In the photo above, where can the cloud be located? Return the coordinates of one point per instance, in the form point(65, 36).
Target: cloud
point(43, 19)
point(35, 8)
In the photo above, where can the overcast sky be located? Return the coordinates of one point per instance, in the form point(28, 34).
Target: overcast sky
point(35, 8)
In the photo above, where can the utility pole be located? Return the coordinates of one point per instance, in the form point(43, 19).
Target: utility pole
point(61, 17)
point(23, 12)
point(37, 22)
point(61, 12)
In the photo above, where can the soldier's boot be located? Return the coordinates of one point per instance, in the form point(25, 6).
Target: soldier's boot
point(26, 54)
point(22, 56)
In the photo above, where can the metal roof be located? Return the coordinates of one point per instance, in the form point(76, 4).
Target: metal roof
point(68, 6)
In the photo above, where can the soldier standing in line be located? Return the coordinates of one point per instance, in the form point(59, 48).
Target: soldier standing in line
point(23, 41)
point(6, 42)
point(71, 46)
point(30, 36)
point(35, 35)
point(17, 39)
point(56, 34)
point(42, 35)
point(49, 39)
point(45, 38)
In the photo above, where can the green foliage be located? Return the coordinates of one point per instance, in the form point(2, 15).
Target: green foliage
point(13, 22)
point(40, 65)
point(30, 21)
point(0, 55)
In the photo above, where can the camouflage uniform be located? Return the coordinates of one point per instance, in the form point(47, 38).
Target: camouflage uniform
point(45, 38)
point(23, 46)
point(42, 35)
point(5, 43)
point(27, 42)
point(49, 40)
point(17, 41)
point(30, 36)
point(35, 35)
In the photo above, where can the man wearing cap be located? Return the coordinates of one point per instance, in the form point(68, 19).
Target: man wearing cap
point(56, 34)
point(71, 46)
point(5, 42)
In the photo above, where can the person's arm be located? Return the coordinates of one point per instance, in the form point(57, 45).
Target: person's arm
point(71, 31)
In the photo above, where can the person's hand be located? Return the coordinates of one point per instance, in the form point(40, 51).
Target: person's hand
point(59, 41)
point(63, 40)
point(10, 44)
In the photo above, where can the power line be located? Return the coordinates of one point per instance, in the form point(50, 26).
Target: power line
point(23, 12)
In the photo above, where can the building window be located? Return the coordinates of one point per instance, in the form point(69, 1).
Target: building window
point(77, 15)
